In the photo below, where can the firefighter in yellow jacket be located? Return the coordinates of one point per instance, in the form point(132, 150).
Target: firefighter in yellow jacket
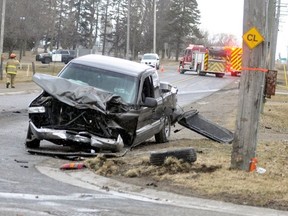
point(11, 70)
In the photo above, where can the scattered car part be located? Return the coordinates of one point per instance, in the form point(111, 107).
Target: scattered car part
point(198, 123)
point(68, 166)
point(75, 154)
point(187, 154)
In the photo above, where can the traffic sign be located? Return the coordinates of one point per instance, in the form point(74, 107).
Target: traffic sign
point(253, 38)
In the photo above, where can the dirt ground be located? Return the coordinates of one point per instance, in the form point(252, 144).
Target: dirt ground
point(210, 176)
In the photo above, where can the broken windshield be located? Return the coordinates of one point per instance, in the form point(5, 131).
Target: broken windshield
point(119, 84)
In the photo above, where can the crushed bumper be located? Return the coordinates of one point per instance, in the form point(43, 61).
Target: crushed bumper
point(84, 138)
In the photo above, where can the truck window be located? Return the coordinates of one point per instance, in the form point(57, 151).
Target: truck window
point(188, 52)
point(156, 84)
point(148, 88)
point(63, 52)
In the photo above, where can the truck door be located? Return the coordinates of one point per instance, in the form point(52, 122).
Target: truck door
point(188, 55)
point(148, 121)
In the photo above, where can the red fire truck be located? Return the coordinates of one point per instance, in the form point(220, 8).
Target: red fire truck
point(212, 60)
point(193, 58)
point(234, 60)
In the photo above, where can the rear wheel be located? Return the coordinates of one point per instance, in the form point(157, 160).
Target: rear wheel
point(220, 75)
point(164, 134)
point(46, 61)
point(30, 141)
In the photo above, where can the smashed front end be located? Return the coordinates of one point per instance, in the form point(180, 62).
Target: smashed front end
point(70, 114)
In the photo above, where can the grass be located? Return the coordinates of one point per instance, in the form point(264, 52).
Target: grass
point(210, 176)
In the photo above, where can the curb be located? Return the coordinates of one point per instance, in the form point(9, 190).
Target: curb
point(87, 179)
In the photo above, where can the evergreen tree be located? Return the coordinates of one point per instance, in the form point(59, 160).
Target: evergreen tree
point(183, 19)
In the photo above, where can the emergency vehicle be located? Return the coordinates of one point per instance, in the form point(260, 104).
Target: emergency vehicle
point(193, 58)
point(212, 60)
point(234, 60)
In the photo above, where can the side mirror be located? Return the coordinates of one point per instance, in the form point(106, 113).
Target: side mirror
point(150, 102)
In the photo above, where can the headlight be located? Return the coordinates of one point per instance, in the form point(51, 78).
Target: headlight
point(40, 109)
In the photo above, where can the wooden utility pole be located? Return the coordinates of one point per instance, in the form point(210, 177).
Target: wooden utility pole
point(251, 84)
point(275, 31)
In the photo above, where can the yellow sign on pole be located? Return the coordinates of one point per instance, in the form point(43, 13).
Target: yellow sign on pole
point(253, 38)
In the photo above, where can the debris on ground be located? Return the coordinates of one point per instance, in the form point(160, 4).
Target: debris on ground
point(72, 166)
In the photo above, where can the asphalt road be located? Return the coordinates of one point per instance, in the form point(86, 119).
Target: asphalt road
point(29, 185)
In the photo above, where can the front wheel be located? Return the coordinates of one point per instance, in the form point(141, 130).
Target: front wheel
point(164, 134)
point(30, 141)
point(198, 69)
point(181, 69)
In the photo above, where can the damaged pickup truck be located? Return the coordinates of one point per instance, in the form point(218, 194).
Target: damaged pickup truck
point(103, 103)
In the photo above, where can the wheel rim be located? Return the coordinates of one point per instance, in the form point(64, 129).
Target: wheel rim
point(167, 128)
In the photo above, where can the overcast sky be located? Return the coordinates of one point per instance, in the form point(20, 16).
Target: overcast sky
point(226, 16)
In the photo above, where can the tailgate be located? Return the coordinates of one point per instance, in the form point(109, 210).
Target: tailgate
point(198, 123)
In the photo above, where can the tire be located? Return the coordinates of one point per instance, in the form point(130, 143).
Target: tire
point(164, 134)
point(198, 69)
point(46, 61)
point(234, 74)
point(220, 75)
point(202, 73)
point(30, 142)
point(188, 155)
point(181, 69)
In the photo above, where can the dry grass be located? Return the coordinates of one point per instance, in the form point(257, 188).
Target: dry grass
point(210, 176)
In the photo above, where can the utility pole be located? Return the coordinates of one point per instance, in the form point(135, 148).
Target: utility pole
point(275, 35)
point(271, 22)
point(251, 85)
point(154, 36)
point(105, 28)
point(2, 37)
point(128, 30)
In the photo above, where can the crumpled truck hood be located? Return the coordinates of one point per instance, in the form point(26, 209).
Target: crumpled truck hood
point(78, 95)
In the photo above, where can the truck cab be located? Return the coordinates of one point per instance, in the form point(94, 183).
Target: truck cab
point(192, 59)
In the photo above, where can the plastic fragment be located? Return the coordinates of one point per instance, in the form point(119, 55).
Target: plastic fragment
point(260, 170)
point(72, 166)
